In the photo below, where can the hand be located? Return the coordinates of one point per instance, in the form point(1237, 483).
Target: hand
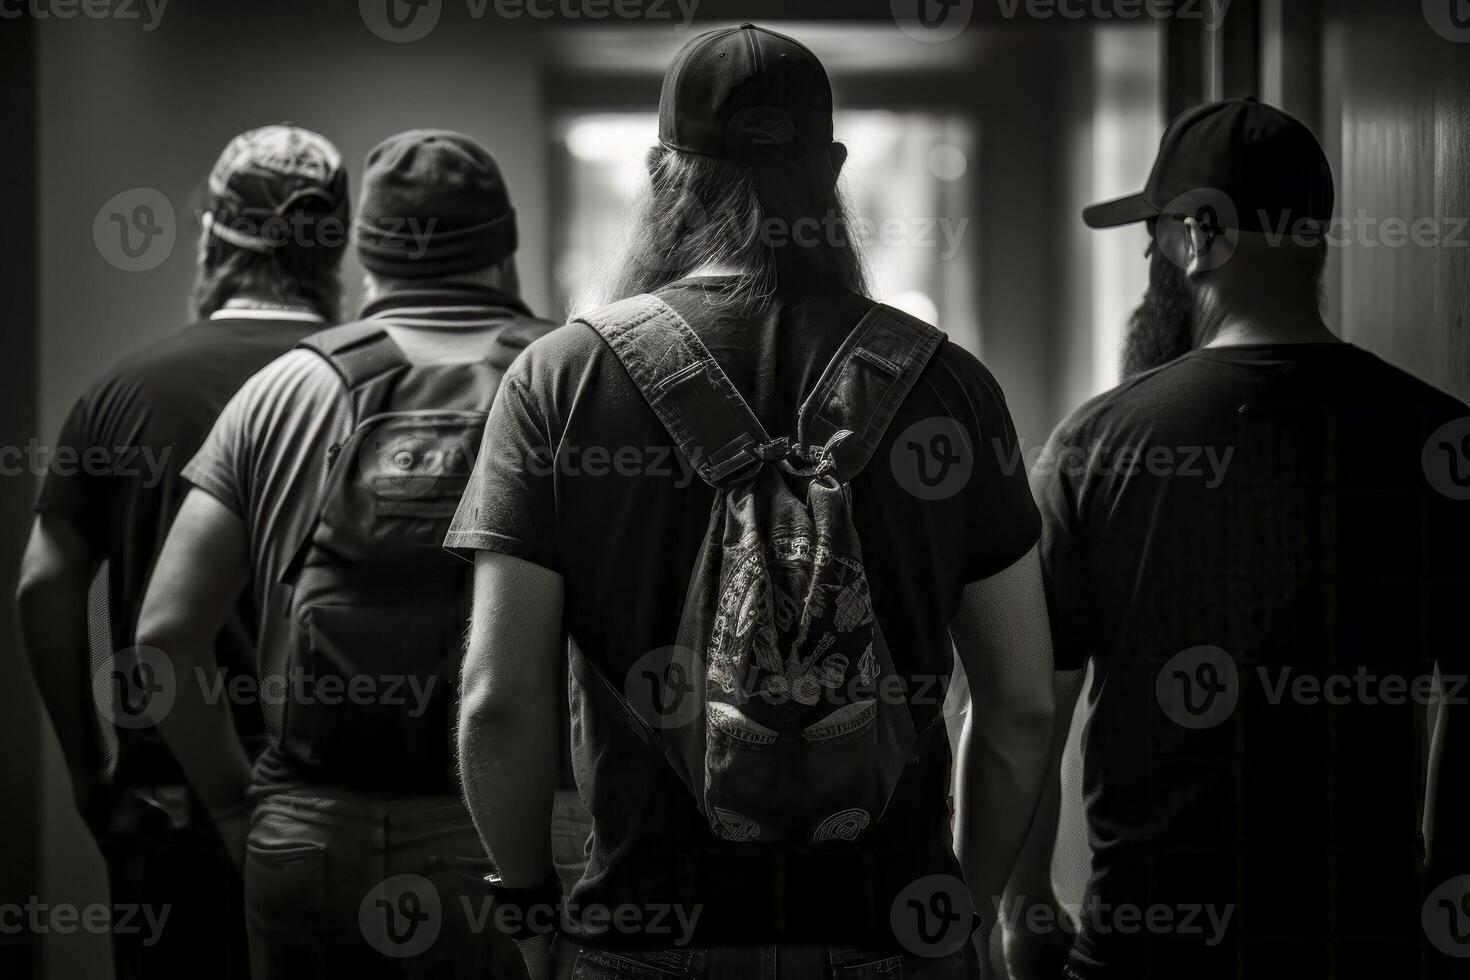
point(1034, 954)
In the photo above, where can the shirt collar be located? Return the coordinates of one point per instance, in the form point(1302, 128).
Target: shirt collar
point(439, 304)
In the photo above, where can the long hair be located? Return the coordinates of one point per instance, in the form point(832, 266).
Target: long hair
point(306, 276)
point(780, 226)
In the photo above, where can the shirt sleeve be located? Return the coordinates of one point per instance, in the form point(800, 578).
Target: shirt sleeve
point(1064, 557)
point(219, 468)
point(71, 492)
point(509, 506)
point(997, 515)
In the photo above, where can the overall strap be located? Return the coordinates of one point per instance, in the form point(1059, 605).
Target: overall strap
point(361, 354)
point(865, 383)
point(678, 377)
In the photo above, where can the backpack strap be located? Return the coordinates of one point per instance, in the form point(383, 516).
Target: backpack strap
point(865, 383)
point(685, 387)
point(361, 354)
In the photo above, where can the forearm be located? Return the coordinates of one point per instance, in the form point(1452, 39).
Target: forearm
point(1038, 930)
point(508, 760)
point(1001, 772)
point(198, 727)
point(53, 627)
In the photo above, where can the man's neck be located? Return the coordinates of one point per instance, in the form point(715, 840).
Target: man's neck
point(1243, 329)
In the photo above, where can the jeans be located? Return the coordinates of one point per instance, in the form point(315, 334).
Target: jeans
point(344, 885)
point(177, 899)
point(573, 962)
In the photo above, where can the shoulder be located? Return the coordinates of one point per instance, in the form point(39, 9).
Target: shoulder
point(558, 351)
point(1439, 406)
point(300, 380)
point(1135, 402)
point(965, 388)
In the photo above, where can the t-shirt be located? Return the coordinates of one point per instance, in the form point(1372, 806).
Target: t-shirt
point(1254, 544)
point(267, 459)
point(578, 475)
point(114, 475)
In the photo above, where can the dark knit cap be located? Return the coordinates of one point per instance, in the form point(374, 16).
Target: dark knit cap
point(433, 204)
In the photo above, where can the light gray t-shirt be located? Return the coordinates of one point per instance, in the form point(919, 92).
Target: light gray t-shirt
point(266, 460)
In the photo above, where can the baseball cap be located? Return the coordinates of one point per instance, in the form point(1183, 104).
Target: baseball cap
point(1244, 164)
point(745, 93)
point(274, 172)
point(434, 204)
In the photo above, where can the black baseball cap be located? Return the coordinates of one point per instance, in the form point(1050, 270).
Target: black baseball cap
point(1253, 167)
point(745, 93)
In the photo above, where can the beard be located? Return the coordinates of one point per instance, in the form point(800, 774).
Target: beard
point(1161, 329)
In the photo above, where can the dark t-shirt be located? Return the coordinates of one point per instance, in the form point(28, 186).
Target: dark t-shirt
point(115, 476)
point(621, 516)
point(1254, 547)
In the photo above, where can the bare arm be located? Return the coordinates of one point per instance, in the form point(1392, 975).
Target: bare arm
point(51, 601)
point(196, 583)
point(507, 719)
point(1041, 952)
point(1004, 642)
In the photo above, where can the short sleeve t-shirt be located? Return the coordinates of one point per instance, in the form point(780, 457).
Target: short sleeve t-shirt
point(267, 457)
point(577, 474)
point(115, 475)
point(1256, 546)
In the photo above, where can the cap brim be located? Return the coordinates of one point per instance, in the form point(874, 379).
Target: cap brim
point(1122, 211)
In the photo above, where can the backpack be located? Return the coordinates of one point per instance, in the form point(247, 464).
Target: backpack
point(787, 721)
point(378, 606)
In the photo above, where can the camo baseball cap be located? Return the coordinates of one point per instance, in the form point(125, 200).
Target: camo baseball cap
point(268, 176)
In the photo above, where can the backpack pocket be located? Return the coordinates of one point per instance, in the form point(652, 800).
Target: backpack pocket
point(844, 786)
point(744, 773)
point(370, 693)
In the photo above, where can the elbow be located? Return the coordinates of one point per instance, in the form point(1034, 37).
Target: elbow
point(164, 627)
point(1023, 717)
